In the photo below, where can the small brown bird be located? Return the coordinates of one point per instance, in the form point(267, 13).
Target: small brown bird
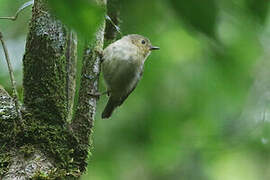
point(122, 68)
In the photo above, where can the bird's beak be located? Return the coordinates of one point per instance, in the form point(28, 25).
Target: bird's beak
point(154, 48)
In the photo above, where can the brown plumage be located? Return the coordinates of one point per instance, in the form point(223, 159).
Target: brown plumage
point(123, 68)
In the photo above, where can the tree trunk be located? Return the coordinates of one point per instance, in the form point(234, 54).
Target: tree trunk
point(48, 145)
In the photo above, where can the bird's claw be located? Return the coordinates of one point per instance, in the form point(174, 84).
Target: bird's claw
point(98, 94)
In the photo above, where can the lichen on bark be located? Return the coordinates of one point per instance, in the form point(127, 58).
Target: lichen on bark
point(83, 121)
point(45, 106)
point(7, 118)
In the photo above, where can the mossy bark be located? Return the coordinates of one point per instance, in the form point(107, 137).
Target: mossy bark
point(44, 78)
point(83, 121)
point(49, 146)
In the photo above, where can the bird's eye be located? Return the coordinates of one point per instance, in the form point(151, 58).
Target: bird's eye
point(143, 41)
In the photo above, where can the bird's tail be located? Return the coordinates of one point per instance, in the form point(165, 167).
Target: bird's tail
point(111, 105)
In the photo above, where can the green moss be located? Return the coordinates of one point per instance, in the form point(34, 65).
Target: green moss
point(55, 141)
point(27, 151)
point(45, 69)
point(45, 97)
point(7, 136)
point(41, 176)
point(4, 162)
point(57, 174)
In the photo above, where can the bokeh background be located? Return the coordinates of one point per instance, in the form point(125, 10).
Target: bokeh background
point(201, 111)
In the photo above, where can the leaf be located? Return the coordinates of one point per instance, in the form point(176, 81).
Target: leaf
point(199, 14)
point(84, 16)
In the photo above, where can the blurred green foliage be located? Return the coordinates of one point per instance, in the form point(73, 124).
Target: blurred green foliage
point(200, 15)
point(201, 110)
point(84, 16)
point(259, 9)
point(14, 33)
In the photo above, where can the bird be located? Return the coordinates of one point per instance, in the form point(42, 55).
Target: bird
point(122, 68)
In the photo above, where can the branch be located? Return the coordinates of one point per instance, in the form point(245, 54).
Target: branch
point(83, 121)
point(36, 164)
point(12, 79)
point(48, 60)
point(25, 5)
point(44, 77)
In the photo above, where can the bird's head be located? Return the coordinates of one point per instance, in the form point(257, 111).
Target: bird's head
point(144, 45)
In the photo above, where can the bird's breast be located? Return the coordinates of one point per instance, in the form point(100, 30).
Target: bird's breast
point(122, 67)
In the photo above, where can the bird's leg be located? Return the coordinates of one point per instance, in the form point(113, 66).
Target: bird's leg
point(98, 94)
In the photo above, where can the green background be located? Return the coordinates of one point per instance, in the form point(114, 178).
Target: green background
point(200, 111)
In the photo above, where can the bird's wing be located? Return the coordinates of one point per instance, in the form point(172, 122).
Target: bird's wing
point(123, 98)
point(113, 103)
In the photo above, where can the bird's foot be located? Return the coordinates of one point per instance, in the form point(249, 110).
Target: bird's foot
point(98, 94)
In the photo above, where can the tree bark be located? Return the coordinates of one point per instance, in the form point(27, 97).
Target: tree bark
point(83, 121)
point(49, 145)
